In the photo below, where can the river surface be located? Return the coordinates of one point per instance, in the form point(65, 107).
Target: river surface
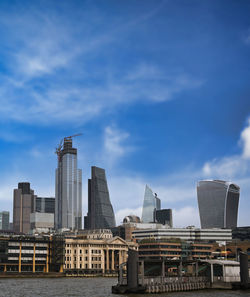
point(88, 287)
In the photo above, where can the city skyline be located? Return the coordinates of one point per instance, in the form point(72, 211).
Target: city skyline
point(159, 91)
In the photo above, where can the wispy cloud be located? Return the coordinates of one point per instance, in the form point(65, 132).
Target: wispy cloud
point(246, 37)
point(232, 166)
point(51, 69)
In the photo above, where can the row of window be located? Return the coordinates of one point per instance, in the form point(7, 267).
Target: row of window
point(159, 246)
point(94, 245)
point(93, 266)
point(85, 258)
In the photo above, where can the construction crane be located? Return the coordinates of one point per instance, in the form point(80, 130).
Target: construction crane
point(59, 148)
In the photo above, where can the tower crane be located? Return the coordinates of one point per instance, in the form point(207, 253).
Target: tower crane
point(59, 147)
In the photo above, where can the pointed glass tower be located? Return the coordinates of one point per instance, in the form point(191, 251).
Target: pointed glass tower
point(150, 204)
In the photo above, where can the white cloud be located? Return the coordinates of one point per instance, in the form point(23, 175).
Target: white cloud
point(245, 139)
point(50, 69)
point(186, 216)
point(113, 139)
point(225, 168)
point(115, 145)
point(231, 167)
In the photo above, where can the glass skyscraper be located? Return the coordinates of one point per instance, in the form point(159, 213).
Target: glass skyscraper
point(218, 203)
point(100, 211)
point(151, 203)
point(68, 200)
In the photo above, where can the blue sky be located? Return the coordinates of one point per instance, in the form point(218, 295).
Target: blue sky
point(159, 89)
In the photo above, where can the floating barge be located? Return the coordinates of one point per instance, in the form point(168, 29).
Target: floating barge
point(159, 276)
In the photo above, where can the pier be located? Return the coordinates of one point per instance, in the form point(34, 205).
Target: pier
point(163, 275)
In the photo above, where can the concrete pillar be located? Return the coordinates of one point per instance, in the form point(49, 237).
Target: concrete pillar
point(244, 277)
point(120, 257)
point(212, 272)
point(34, 258)
point(20, 258)
point(196, 268)
point(142, 272)
point(162, 268)
point(132, 269)
point(4, 268)
point(224, 273)
point(112, 260)
point(180, 269)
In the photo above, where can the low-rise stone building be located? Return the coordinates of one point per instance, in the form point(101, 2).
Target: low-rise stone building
point(99, 255)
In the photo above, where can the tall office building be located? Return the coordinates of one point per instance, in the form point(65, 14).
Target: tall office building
point(100, 211)
point(45, 205)
point(164, 217)
point(42, 217)
point(4, 220)
point(68, 201)
point(150, 204)
point(24, 203)
point(218, 203)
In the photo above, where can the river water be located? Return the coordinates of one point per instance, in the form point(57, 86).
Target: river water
point(87, 287)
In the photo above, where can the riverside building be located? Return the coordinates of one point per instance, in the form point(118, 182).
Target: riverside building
point(174, 250)
point(188, 234)
point(31, 254)
point(95, 252)
point(68, 200)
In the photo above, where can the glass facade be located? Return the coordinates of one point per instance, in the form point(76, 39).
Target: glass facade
point(150, 204)
point(164, 217)
point(218, 204)
point(68, 202)
point(100, 211)
point(4, 220)
point(45, 204)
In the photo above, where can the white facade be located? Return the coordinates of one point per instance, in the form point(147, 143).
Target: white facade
point(41, 222)
point(189, 234)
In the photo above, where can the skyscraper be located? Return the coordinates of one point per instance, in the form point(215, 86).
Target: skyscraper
point(4, 220)
point(24, 203)
point(218, 203)
point(42, 218)
point(164, 217)
point(68, 200)
point(100, 211)
point(150, 204)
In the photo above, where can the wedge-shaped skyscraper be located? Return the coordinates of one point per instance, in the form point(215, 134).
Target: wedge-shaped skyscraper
point(100, 211)
point(68, 202)
point(151, 203)
point(218, 203)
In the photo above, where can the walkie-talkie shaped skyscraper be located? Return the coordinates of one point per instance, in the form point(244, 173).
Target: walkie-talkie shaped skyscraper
point(218, 202)
point(68, 202)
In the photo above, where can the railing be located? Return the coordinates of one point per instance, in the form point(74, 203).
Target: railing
point(166, 280)
point(171, 280)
